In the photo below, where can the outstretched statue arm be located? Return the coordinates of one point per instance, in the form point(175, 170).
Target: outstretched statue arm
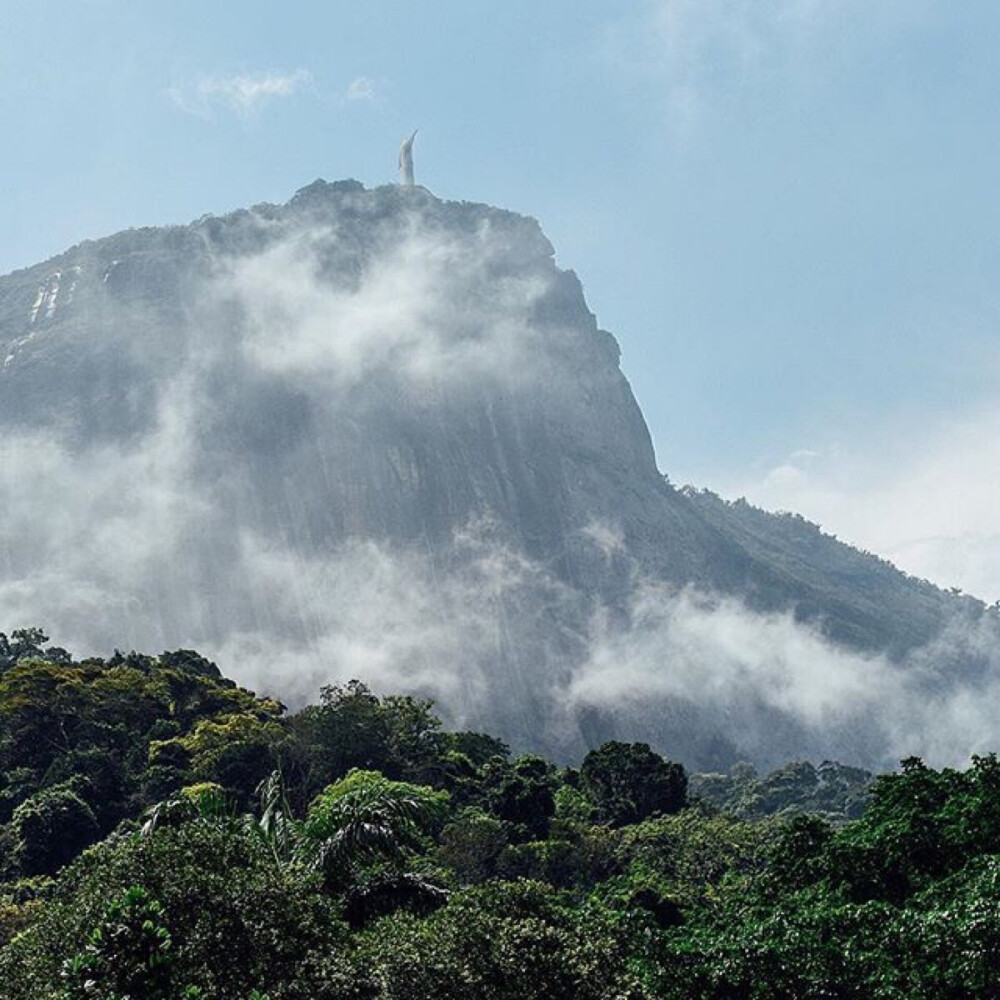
point(406, 161)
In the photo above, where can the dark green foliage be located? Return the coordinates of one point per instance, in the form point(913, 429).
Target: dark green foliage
point(381, 893)
point(15, 786)
point(627, 782)
point(901, 903)
point(128, 954)
point(521, 794)
point(85, 745)
point(51, 827)
point(833, 790)
point(366, 817)
point(354, 728)
point(513, 941)
point(442, 869)
point(105, 784)
point(237, 921)
point(190, 661)
point(478, 747)
point(800, 855)
point(703, 862)
point(921, 825)
point(28, 643)
point(345, 730)
point(470, 845)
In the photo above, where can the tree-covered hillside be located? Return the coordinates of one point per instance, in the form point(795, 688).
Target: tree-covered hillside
point(166, 834)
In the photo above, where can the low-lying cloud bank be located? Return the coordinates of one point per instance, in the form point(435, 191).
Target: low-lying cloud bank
point(755, 675)
point(117, 547)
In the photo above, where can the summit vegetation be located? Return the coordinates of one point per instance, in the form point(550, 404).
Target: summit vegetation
point(168, 835)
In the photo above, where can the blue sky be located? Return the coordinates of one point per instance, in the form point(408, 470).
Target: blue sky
point(785, 210)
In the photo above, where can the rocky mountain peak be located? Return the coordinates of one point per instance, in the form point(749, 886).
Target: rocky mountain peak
point(375, 433)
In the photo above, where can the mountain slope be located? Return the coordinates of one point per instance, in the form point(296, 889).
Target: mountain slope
point(862, 600)
point(372, 432)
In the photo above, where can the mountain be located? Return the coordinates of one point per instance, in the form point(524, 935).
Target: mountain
point(373, 433)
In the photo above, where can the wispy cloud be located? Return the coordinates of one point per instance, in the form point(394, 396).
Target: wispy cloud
point(409, 313)
point(699, 54)
point(243, 94)
point(363, 88)
point(927, 500)
point(777, 687)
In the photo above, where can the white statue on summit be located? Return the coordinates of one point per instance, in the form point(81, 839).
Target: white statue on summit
point(406, 161)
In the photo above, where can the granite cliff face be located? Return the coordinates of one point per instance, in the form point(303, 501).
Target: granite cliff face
point(513, 407)
point(374, 433)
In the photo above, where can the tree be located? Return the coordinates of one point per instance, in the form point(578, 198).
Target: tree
point(480, 748)
point(514, 941)
point(128, 954)
point(414, 739)
point(346, 730)
point(105, 784)
point(366, 816)
point(522, 795)
point(237, 751)
point(237, 921)
point(471, 844)
point(628, 782)
point(42, 706)
point(52, 827)
point(188, 659)
point(28, 642)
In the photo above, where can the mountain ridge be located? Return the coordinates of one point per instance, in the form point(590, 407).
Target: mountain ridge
point(380, 387)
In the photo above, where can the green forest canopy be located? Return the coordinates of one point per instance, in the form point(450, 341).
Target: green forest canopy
point(165, 833)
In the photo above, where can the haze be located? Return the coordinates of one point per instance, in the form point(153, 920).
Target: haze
point(785, 210)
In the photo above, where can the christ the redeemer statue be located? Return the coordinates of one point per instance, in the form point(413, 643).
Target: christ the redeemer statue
point(406, 161)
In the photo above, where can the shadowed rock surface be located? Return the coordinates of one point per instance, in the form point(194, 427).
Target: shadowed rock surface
point(374, 397)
